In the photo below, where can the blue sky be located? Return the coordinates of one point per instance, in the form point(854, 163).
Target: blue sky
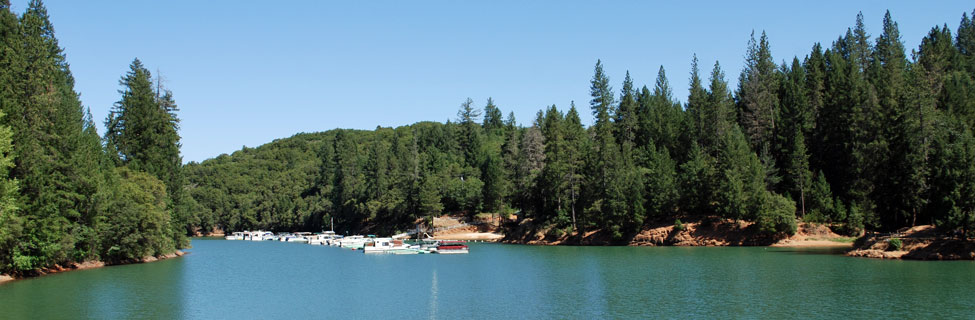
point(245, 72)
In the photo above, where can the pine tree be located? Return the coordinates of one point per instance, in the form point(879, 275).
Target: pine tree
point(844, 126)
point(531, 163)
point(858, 47)
point(552, 185)
point(492, 118)
point(815, 69)
point(798, 176)
point(10, 222)
point(791, 147)
point(757, 99)
point(510, 156)
point(626, 125)
point(696, 110)
point(660, 117)
point(698, 178)
point(952, 176)
point(470, 135)
point(742, 186)
point(142, 133)
point(719, 112)
point(625, 115)
point(937, 57)
point(821, 204)
point(895, 159)
point(609, 202)
point(492, 192)
point(959, 97)
point(349, 182)
point(576, 149)
point(601, 92)
point(661, 183)
point(45, 115)
point(10, 58)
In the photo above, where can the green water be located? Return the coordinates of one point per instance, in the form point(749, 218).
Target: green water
point(241, 279)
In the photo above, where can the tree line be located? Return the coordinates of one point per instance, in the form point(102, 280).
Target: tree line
point(67, 194)
point(857, 135)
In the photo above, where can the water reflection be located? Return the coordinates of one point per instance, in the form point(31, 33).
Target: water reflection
point(433, 295)
point(135, 291)
point(115, 292)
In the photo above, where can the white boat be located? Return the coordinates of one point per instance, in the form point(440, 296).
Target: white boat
point(261, 235)
point(377, 245)
point(389, 245)
point(316, 240)
point(321, 238)
point(352, 242)
point(334, 241)
point(235, 236)
point(292, 238)
point(452, 247)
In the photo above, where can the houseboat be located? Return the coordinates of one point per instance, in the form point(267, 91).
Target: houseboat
point(452, 247)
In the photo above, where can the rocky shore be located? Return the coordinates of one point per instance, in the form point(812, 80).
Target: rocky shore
point(706, 231)
point(918, 243)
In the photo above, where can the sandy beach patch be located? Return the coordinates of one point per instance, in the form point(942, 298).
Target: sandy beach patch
point(788, 243)
point(480, 236)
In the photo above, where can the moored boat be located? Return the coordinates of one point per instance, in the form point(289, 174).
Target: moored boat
point(261, 235)
point(235, 236)
point(377, 245)
point(452, 247)
point(352, 242)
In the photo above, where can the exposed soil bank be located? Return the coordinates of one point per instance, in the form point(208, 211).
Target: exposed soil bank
point(812, 244)
point(87, 265)
point(703, 231)
point(471, 236)
point(482, 232)
point(918, 243)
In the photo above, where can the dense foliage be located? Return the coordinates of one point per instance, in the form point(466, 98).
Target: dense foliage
point(858, 135)
point(64, 196)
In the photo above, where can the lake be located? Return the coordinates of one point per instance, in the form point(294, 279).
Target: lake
point(223, 279)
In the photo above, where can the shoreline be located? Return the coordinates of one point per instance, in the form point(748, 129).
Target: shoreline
point(787, 243)
point(91, 264)
point(471, 236)
point(924, 242)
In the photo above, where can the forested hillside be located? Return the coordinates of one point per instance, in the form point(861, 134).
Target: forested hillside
point(859, 134)
point(66, 194)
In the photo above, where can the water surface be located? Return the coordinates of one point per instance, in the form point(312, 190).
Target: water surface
point(222, 279)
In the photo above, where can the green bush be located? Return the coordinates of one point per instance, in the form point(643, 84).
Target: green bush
point(894, 244)
point(777, 215)
point(678, 225)
point(137, 224)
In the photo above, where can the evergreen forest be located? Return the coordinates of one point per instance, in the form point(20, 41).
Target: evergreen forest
point(68, 194)
point(859, 134)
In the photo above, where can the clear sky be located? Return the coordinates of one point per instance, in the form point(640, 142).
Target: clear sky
point(246, 72)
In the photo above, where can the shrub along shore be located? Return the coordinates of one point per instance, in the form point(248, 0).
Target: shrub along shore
point(91, 264)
